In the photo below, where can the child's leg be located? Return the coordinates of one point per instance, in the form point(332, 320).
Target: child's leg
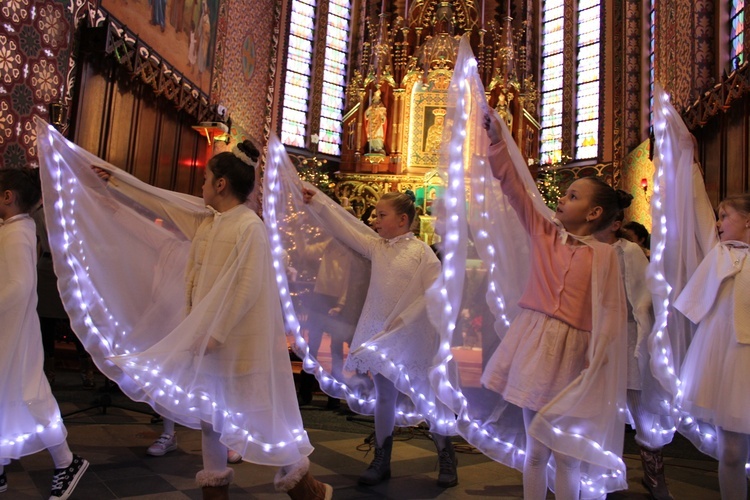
point(61, 455)
point(535, 465)
point(385, 408)
point(168, 426)
point(733, 450)
point(165, 443)
point(215, 477)
point(567, 477)
point(214, 452)
point(651, 458)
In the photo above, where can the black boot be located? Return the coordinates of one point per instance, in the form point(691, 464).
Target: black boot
point(448, 476)
point(380, 467)
point(653, 474)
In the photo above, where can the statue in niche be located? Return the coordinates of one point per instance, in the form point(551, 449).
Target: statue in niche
point(503, 109)
point(375, 123)
point(435, 132)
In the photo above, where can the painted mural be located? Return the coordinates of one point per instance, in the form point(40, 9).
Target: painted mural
point(181, 31)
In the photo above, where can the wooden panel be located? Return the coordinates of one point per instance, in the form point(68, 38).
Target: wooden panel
point(142, 164)
point(188, 142)
point(166, 148)
point(736, 147)
point(122, 106)
point(89, 115)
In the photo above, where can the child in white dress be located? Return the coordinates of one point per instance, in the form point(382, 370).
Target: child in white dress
point(386, 343)
point(702, 349)
point(633, 264)
point(29, 416)
point(717, 366)
point(224, 366)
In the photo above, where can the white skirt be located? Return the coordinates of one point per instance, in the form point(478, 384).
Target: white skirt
point(536, 360)
point(716, 370)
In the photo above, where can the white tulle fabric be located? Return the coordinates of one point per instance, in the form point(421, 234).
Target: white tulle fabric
point(485, 269)
point(148, 304)
point(29, 417)
point(698, 365)
point(657, 425)
point(383, 326)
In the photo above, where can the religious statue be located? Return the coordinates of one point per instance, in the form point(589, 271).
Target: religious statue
point(375, 122)
point(435, 132)
point(503, 109)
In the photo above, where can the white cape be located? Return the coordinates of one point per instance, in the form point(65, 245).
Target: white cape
point(123, 284)
point(587, 419)
point(403, 346)
point(683, 234)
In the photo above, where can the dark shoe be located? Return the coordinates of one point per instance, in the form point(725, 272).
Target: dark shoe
point(65, 480)
point(215, 484)
point(296, 481)
point(380, 467)
point(653, 474)
point(448, 476)
point(333, 403)
point(3, 482)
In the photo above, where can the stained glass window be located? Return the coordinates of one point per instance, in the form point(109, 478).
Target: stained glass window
point(297, 82)
point(334, 77)
point(583, 108)
point(587, 80)
point(737, 32)
point(552, 81)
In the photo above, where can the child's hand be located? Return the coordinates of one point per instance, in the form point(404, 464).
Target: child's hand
point(307, 195)
point(492, 126)
point(334, 311)
point(103, 174)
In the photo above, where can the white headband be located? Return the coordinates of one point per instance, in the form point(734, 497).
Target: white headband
point(242, 156)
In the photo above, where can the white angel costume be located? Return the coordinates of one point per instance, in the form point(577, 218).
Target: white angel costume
point(29, 416)
point(393, 335)
point(149, 302)
point(585, 420)
point(701, 349)
point(654, 430)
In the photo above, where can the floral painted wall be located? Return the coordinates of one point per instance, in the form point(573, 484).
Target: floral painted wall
point(35, 48)
point(248, 64)
point(685, 48)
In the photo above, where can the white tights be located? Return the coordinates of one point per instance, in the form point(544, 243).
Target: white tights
point(733, 451)
point(168, 426)
point(385, 408)
point(567, 469)
point(214, 452)
point(639, 417)
point(61, 456)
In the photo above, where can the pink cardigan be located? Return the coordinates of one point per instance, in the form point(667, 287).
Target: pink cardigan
point(560, 279)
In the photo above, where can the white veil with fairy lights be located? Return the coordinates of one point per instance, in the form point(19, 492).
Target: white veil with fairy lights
point(683, 233)
point(485, 269)
point(319, 253)
point(123, 283)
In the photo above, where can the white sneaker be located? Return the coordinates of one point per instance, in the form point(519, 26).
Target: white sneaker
point(233, 457)
point(162, 446)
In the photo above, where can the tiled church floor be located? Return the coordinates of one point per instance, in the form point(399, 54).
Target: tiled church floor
point(115, 444)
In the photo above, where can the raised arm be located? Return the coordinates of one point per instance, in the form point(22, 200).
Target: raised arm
point(338, 222)
point(185, 212)
point(505, 171)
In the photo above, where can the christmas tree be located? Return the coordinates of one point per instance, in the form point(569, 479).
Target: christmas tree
point(548, 183)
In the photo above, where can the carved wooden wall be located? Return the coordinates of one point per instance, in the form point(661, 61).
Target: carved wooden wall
point(120, 120)
point(725, 150)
